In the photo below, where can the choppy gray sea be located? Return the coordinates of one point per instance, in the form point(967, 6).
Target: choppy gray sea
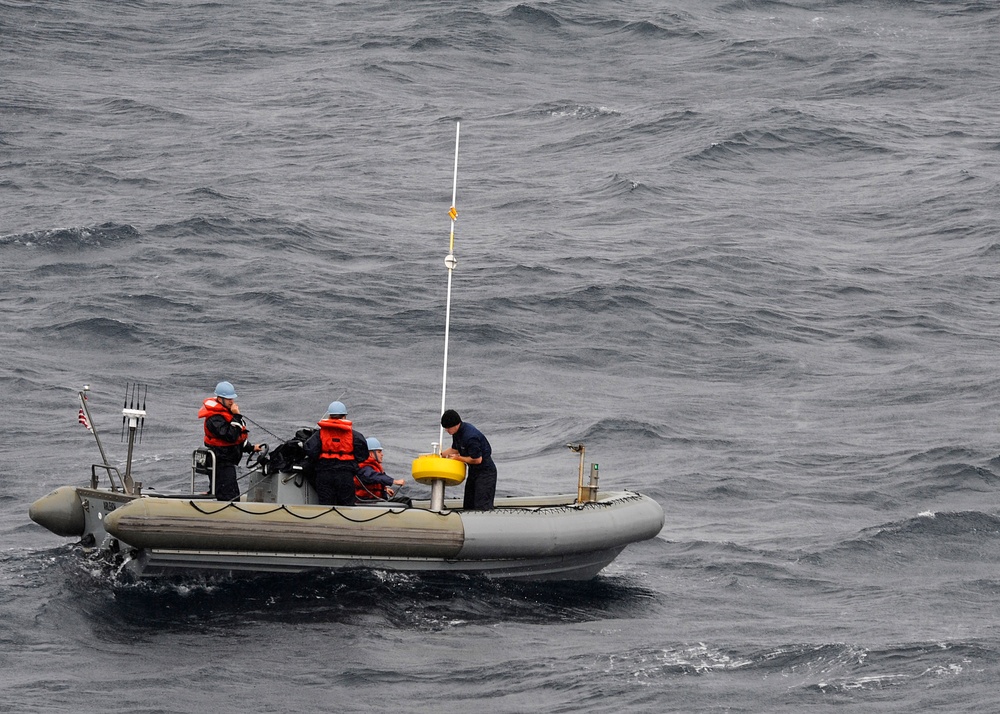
point(746, 251)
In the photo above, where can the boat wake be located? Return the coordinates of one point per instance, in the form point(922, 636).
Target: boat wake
point(113, 600)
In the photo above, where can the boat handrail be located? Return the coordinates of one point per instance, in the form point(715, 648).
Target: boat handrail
point(203, 464)
point(95, 481)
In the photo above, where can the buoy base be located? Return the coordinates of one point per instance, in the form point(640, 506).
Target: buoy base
point(437, 495)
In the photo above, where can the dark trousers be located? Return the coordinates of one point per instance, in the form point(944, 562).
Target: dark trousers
point(227, 488)
point(335, 487)
point(480, 488)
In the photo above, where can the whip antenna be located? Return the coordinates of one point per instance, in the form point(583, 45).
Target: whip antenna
point(450, 263)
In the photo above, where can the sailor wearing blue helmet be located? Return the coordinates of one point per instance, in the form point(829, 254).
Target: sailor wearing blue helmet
point(335, 451)
point(227, 436)
point(372, 482)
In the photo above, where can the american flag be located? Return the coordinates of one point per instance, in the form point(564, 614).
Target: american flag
point(82, 418)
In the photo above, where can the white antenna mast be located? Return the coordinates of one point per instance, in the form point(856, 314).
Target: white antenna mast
point(450, 262)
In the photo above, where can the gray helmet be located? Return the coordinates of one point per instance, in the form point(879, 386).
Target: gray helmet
point(374, 444)
point(336, 409)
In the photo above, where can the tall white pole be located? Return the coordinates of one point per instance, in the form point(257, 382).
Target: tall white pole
point(450, 262)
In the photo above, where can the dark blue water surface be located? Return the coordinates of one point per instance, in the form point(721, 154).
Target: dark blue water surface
point(746, 251)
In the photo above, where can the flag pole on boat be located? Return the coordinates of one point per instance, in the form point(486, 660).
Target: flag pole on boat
point(86, 420)
point(450, 262)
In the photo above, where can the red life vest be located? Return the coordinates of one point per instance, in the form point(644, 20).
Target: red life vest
point(210, 408)
point(336, 439)
point(370, 490)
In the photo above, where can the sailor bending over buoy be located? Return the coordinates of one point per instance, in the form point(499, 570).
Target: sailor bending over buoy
point(372, 482)
point(226, 436)
point(470, 446)
point(335, 451)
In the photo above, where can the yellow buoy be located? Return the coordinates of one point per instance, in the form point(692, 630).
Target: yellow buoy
point(428, 468)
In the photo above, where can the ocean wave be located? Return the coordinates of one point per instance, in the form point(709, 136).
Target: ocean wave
point(833, 668)
point(651, 29)
point(573, 110)
point(207, 192)
point(884, 85)
point(901, 666)
point(151, 301)
point(955, 536)
point(934, 525)
point(534, 17)
point(629, 429)
point(219, 225)
point(799, 140)
point(617, 185)
point(97, 330)
point(105, 235)
point(619, 299)
point(137, 111)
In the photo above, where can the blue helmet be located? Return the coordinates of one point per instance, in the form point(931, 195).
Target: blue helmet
point(336, 409)
point(374, 444)
point(225, 390)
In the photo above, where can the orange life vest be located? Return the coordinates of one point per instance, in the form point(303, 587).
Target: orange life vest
point(370, 490)
point(336, 439)
point(211, 407)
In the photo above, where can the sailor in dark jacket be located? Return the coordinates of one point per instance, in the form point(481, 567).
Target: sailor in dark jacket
point(372, 482)
point(335, 451)
point(470, 446)
point(226, 436)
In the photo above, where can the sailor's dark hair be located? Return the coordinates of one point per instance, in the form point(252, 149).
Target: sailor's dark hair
point(450, 418)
